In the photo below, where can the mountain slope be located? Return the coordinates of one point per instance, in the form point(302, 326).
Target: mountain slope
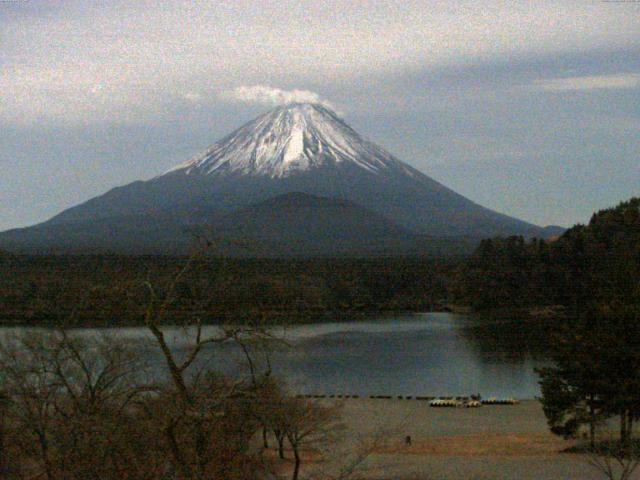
point(295, 148)
point(290, 225)
point(302, 224)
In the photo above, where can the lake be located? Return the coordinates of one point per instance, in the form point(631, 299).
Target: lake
point(431, 354)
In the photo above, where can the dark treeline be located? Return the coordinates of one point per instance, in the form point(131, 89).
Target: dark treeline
point(109, 289)
point(589, 266)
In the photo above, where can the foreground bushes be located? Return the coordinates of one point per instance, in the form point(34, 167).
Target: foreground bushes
point(77, 408)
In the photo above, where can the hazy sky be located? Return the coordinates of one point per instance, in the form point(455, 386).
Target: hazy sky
point(531, 108)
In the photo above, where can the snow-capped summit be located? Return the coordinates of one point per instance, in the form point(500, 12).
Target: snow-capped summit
point(292, 138)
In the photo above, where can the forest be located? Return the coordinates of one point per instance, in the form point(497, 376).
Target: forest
point(108, 290)
point(589, 266)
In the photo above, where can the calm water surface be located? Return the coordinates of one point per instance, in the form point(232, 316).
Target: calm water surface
point(426, 354)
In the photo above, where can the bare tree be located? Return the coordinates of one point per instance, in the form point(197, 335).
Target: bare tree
point(270, 391)
point(98, 382)
point(27, 380)
point(197, 426)
point(69, 406)
point(614, 460)
point(307, 424)
point(272, 412)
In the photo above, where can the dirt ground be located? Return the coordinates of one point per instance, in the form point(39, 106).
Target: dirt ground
point(490, 442)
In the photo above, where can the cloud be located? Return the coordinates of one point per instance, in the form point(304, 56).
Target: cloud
point(594, 82)
point(264, 95)
point(144, 54)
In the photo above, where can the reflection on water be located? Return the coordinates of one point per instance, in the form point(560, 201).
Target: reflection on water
point(425, 354)
point(506, 339)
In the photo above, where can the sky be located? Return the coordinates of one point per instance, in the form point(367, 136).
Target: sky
point(531, 108)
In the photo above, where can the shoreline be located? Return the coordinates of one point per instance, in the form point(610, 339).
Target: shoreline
point(507, 443)
point(489, 401)
point(275, 321)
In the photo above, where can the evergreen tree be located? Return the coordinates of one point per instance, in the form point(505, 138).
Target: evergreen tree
point(596, 372)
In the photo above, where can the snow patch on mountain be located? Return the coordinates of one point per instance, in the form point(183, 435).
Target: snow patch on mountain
point(289, 139)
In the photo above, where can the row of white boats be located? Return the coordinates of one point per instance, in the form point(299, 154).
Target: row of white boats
point(471, 402)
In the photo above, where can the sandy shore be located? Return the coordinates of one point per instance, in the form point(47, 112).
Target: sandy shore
point(491, 442)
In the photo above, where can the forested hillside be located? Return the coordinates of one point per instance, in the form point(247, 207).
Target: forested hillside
point(593, 265)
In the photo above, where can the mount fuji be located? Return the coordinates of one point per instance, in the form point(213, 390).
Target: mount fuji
point(296, 180)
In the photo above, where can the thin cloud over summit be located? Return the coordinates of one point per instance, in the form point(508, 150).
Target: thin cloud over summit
point(264, 95)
